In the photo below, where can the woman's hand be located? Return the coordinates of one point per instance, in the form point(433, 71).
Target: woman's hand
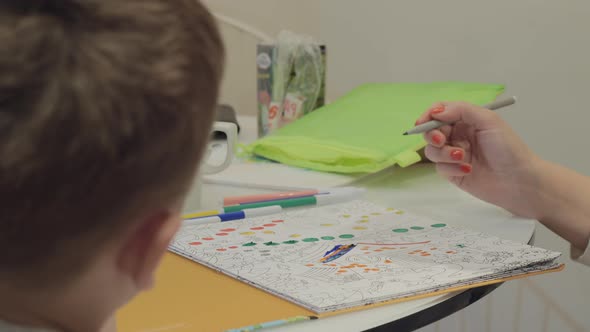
point(481, 154)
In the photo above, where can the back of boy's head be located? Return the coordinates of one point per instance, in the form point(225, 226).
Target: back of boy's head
point(105, 107)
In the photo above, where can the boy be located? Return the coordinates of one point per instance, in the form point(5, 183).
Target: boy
point(105, 108)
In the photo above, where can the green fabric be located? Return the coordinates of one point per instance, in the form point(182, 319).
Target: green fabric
point(362, 131)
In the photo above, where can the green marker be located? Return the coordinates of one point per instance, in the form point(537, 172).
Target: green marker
point(323, 199)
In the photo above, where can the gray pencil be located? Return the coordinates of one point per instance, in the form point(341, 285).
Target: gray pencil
point(436, 124)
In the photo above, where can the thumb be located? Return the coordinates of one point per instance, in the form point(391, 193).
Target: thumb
point(476, 116)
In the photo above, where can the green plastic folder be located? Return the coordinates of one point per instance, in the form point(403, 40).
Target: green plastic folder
point(362, 131)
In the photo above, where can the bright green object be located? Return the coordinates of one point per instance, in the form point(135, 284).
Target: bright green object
point(362, 131)
point(284, 203)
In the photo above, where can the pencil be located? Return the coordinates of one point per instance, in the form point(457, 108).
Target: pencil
point(427, 126)
point(274, 323)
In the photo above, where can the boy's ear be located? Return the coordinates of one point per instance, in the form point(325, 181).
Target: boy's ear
point(145, 245)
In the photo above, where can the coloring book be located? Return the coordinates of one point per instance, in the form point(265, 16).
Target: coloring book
point(355, 254)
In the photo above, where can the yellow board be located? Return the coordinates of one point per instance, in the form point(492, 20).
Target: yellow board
point(190, 297)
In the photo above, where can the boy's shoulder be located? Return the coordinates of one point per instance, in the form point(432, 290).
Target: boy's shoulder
point(8, 327)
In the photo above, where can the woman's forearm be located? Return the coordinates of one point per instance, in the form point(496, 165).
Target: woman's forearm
point(561, 200)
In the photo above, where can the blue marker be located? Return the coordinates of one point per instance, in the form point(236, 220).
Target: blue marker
point(222, 217)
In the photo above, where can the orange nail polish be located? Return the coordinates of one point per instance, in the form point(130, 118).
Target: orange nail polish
point(438, 109)
point(437, 139)
point(466, 168)
point(457, 154)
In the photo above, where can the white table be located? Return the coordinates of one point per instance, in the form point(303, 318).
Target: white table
point(417, 189)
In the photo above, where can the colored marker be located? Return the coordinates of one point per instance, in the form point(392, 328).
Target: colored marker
point(201, 214)
point(201, 221)
point(324, 199)
point(275, 323)
point(236, 215)
point(235, 200)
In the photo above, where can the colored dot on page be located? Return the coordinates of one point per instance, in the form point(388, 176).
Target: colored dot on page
point(326, 225)
point(228, 230)
point(196, 243)
point(346, 236)
point(310, 239)
point(257, 228)
point(277, 221)
point(295, 235)
point(327, 238)
point(270, 225)
point(416, 228)
point(247, 233)
point(438, 225)
point(208, 238)
point(268, 232)
point(221, 234)
point(221, 249)
point(290, 242)
point(346, 216)
point(309, 265)
point(400, 230)
point(233, 247)
point(359, 228)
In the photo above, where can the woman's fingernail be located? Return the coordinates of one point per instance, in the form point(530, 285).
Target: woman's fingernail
point(466, 168)
point(438, 109)
point(457, 154)
point(437, 139)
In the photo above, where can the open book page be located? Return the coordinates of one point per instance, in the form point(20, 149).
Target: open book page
point(354, 254)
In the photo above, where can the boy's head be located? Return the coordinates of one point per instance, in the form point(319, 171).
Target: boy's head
point(105, 108)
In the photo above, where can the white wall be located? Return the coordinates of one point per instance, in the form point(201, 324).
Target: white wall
point(539, 48)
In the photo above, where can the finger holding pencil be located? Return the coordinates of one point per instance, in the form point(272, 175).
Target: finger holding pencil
point(423, 126)
point(463, 137)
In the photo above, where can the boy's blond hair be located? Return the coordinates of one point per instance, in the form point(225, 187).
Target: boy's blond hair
point(105, 108)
